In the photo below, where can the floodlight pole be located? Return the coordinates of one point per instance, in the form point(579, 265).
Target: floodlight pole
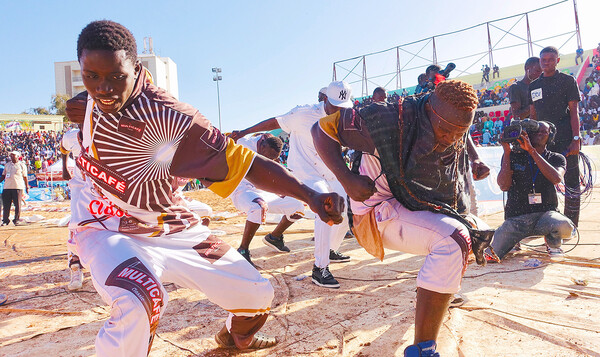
point(217, 78)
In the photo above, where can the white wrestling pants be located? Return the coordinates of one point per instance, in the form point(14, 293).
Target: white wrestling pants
point(287, 206)
point(200, 208)
point(327, 237)
point(444, 241)
point(128, 272)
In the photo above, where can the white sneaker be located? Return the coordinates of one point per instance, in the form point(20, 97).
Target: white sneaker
point(76, 278)
point(556, 254)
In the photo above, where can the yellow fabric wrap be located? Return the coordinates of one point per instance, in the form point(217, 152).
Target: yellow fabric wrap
point(329, 125)
point(367, 234)
point(239, 159)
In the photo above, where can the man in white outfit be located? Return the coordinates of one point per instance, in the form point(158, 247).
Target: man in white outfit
point(256, 203)
point(70, 144)
point(307, 166)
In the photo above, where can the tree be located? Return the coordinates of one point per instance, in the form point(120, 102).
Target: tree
point(59, 104)
point(38, 111)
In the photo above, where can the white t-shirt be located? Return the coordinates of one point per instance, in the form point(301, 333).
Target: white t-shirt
point(303, 159)
point(13, 175)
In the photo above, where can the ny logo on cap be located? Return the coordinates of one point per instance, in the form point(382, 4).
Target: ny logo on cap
point(343, 94)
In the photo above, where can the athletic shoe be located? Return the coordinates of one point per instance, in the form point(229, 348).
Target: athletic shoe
point(3, 299)
point(3, 224)
point(556, 254)
point(275, 243)
point(323, 278)
point(337, 257)
point(246, 254)
point(76, 278)
point(349, 234)
point(457, 300)
point(422, 349)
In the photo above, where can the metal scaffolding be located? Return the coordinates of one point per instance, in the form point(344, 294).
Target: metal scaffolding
point(493, 45)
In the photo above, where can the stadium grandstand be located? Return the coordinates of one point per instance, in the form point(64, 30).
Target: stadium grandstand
point(506, 39)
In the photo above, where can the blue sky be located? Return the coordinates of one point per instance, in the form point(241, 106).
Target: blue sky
point(274, 54)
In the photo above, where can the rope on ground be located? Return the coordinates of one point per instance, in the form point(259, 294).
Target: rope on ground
point(176, 345)
point(38, 311)
point(504, 271)
point(475, 308)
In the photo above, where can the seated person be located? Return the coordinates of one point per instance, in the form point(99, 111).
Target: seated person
point(529, 177)
point(256, 203)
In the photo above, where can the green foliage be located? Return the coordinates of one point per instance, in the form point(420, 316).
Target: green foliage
point(59, 104)
point(38, 111)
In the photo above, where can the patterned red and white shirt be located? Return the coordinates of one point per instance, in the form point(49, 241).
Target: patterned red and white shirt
point(131, 159)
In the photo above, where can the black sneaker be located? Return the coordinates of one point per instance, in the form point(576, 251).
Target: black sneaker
point(276, 243)
point(337, 257)
point(246, 254)
point(323, 277)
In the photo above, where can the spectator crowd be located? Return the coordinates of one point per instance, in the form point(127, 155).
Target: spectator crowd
point(38, 149)
point(589, 107)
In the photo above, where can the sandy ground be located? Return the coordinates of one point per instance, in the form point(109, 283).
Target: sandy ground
point(512, 309)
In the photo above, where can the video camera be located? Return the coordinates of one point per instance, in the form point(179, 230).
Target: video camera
point(446, 71)
point(516, 128)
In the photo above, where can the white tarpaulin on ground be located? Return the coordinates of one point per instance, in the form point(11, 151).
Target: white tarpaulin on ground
point(57, 166)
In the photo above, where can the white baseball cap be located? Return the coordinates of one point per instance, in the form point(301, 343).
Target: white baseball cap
point(323, 90)
point(339, 93)
point(16, 153)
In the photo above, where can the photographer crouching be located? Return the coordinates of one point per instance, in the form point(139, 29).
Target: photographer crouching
point(529, 172)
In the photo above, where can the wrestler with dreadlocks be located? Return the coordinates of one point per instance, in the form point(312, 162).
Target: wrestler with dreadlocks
point(409, 189)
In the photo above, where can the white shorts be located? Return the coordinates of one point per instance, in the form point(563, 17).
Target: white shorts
point(443, 240)
point(128, 272)
point(288, 206)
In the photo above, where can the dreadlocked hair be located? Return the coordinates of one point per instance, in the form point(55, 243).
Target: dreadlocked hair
point(106, 35)
point(274, 143)
point(458, 94)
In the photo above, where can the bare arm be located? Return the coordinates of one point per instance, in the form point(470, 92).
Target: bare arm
point(26, 184)
point(515, 107)
point(267, 175)
point(532, 113)
point(479, 168)
point(265, 125)
point(358, 187)
point(573, 149)
point(504, 179)
point(553, 175)
point(65, 171)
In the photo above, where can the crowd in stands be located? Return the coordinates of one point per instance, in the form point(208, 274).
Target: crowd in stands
point(490, 98)
point(589, 107)
point(391, 98)
point(38, 149)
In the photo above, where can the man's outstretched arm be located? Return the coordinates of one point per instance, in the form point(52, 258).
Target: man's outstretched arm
point(267, 175)
point(265, 125)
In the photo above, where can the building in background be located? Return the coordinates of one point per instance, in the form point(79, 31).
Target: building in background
point(27, 122)
point(67, 75)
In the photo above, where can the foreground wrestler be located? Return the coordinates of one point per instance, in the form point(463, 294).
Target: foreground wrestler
point(136, 140)
point(424, 161)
